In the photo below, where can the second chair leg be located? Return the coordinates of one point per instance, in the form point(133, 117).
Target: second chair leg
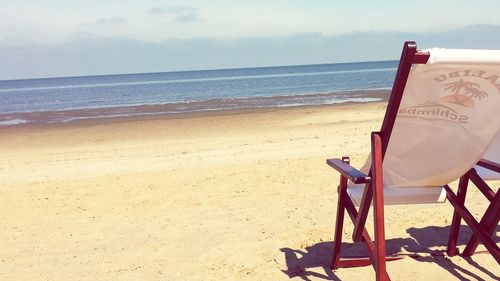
point(452, 249)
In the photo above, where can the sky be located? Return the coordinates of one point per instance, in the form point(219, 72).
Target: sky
point(54, 38)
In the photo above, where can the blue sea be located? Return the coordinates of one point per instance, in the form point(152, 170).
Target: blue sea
point(67, 99)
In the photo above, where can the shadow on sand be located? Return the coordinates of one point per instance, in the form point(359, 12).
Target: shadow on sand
point(420, 242)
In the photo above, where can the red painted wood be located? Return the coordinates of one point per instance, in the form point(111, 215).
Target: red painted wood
point(378, 207)
point(364, 208)
point(494, 166)
point(489, 222)
point(452, 250)
point(483, 236)
point(365, 237)
point(337, 242)
point(421, 57)
point(407, 56)
point(481, 185)
point(348, 171)
point(491, 217)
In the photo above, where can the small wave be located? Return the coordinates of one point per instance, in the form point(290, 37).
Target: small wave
point(12, 122)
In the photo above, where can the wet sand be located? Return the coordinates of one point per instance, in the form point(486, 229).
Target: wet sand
point(185, 109)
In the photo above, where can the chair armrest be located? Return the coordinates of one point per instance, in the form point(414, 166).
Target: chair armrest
point(494, 166)
point(356, 176)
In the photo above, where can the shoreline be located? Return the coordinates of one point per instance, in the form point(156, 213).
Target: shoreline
point(182, 110)
point(10, 133)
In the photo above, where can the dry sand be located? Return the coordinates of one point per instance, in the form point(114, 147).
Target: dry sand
point(228, 196)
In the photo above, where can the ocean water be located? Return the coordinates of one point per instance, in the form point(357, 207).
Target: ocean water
point(52, 100)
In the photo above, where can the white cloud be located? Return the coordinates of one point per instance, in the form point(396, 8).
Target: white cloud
point(177, 10)
point(187, 18)
point(110, 21)
point(55, 21)
point(179, 14)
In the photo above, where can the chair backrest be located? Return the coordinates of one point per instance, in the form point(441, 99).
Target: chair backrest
point(447, 117)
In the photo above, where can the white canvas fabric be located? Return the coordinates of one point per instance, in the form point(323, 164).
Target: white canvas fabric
point(462, 56)
point(400, 196)
point(447, 118)
point(492, 154)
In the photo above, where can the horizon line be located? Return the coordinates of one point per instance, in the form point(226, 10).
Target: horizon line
point(191, 70)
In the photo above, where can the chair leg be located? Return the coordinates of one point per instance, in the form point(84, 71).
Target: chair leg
point(452, 249)
point(378, 208)
point(337, 242)
point(364, 208)
point(367, 242)
point(483, 236)
point(489, 222)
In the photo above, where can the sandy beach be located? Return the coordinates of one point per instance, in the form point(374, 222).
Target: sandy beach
point(234, 195)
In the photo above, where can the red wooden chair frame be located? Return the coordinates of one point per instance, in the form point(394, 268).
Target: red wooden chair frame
point(488, 222)
point(374, 190)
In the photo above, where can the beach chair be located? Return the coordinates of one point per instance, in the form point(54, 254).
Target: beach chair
point(442, 116)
